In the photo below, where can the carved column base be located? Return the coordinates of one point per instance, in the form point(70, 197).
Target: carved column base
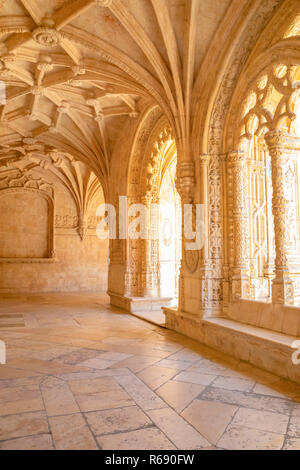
point(240, 286)
point(283, 290)
point(139, 304)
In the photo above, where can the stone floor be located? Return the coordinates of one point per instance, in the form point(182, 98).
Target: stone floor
point(80, 375)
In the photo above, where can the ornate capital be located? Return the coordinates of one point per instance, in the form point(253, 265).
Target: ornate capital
point(236, 158)
point(185, 181)
point(276, 139)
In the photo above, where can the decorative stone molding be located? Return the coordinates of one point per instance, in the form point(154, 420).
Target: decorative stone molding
point(52, 259)
point(36, 161)
point(154, 164)
point(26, 181)
point(66, 221)
point(191, 259)
point(255, 25)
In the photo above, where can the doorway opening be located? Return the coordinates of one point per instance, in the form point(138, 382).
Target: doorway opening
point(169, 231)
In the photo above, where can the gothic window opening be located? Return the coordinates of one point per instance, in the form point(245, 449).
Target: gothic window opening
point(169, 233)
point(268, 140)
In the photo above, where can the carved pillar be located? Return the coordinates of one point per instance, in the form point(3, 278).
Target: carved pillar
point(270, 259)
point(216, 253)
point(237, 165)
point(150, 255)
point(202, 169)
point(185, 185)
point(133, 260)
point(284, 212)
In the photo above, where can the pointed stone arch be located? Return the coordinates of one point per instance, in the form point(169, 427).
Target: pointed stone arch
point(153, 140)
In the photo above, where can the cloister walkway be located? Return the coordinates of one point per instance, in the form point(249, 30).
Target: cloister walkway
point(82, 375)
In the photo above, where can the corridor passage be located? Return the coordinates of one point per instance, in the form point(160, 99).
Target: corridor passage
point(81, 375)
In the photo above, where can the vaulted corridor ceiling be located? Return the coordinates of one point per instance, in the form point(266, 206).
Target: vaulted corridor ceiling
point(77, 70)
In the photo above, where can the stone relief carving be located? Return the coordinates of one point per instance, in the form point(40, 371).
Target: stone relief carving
point(262, 110)
point(224, 96)
point(66, 221)
point(26, 181)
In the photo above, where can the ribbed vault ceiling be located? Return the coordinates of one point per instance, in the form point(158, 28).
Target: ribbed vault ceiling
point(76, 70)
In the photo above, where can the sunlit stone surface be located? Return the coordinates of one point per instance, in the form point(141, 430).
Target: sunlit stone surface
point(181, 121)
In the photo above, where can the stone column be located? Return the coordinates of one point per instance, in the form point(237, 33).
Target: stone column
point(202, 163)
point(237, 164)
point(132, 284)
point(185, 185)
point(284, 212)
point(150, 255)
point(201, 193)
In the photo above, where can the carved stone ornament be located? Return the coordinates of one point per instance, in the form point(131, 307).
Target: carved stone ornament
point(82, 231)
point(28, 182)
point(191, 258)
point(46, 36)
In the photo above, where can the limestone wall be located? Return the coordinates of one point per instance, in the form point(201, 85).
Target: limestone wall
point(41, 249)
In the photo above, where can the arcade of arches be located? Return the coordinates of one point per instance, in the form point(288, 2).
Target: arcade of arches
point(166, 102)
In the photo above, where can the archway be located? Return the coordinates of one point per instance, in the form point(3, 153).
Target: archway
point(262, 196)
point(170, 245)
point(48, 203)
point(142, 265)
